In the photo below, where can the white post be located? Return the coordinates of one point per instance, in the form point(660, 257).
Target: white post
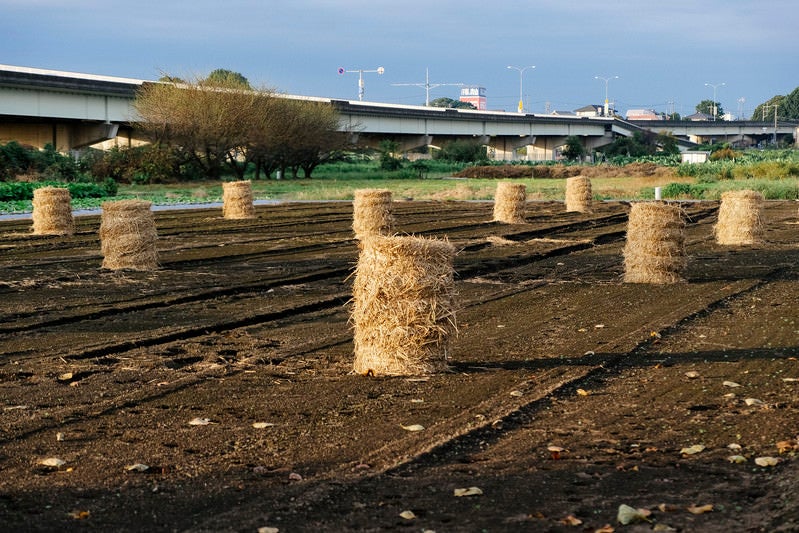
point(657, 193)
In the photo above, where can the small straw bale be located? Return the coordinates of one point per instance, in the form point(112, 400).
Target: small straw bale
point(403, 305)
point(52, 211)
point(578, 194)
point(372, 213)
point(740, 218)
point(509, 202)
point(655, 248)
point(128, 235)
point(237, 200)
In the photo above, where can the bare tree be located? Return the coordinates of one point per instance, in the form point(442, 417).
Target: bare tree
point(222, 124)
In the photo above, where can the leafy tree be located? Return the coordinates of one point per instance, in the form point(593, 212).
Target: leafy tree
point(171, 79)
point(787, 107)
point(452, 104)
point(573, 149)
point(638, 145)
point(227, 78)
point(667, 142)
point(388, 159)
point(15, 159)
point(465, 151)
point(707, 106)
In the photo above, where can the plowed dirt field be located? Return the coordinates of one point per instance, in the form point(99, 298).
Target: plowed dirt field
point(224, 378)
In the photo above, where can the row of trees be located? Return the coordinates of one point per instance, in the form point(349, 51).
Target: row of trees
point(220, 123)
point(787, 107)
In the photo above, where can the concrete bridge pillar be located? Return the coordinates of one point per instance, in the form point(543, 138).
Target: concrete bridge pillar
point(411, 143)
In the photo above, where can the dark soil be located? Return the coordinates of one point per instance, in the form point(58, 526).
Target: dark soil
point(247, 322)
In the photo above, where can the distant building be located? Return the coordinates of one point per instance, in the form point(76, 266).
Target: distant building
point(698, 117)
point(591, 111)
point(475, 96)
point(564, 113)
point(642, 114)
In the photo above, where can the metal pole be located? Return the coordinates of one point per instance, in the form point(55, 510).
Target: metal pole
point(521, 92)
point(607, 101)
point(361, 85)
point(714, 95)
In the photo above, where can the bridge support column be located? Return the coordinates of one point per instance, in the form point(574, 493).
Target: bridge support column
point(418, 141)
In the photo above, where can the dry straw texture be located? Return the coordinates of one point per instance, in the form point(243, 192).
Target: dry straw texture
point(372, 213)
point(655, 248)
point(740, 218)
point(578, 194)
point(509, 202)
point(52, 211)
point(237, 200)
point(403, 305)
point(128, 235)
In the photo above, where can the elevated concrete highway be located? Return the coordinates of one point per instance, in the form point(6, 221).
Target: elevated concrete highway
point(72, 110)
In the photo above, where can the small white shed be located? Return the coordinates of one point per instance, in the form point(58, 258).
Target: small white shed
point(694, 156)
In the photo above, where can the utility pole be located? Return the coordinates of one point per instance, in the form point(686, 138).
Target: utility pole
point(427, 86)
point(741, 101)
point(775, 106)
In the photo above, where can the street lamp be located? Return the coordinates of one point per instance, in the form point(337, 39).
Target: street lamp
point(379, 70)
point(521, 71)
point(606, 80)
point(714, 95)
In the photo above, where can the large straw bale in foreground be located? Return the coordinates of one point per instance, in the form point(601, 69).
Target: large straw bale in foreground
point(52, 211)
point(128, 235)
point(655, 248)
point(510, 201)
point(237, 200)
point(578, 194)
point(372, 213)
point(403, 305)
point(740, 218)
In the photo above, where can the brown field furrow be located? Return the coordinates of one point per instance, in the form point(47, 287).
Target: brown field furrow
point(552, 349)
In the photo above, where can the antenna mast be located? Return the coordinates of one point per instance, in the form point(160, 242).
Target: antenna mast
point(427, 86)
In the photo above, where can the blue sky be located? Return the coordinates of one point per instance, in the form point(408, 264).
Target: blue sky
point(664, 52)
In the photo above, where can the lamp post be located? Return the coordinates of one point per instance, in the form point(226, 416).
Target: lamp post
point(379, 70)
point(521, 71)
point(714, 95)
point(606, 80)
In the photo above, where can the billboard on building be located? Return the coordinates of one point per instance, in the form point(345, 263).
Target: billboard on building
point(474, 95)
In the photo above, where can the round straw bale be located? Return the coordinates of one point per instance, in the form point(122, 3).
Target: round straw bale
point(237, 200)
point(740, 218)
point(372, 213)
point(509, 202)
point(128, 235)
point(578, 194)
point(403, 305)
point(52, 211)
point(655, 248)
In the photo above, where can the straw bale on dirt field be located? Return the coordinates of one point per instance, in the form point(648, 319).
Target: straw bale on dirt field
point(403, 306)
point(510, 202)
point(52, 211)
point(740, 218)
point(655, 247)
point(372, 213)
point(128, 235)
point(237, 200)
